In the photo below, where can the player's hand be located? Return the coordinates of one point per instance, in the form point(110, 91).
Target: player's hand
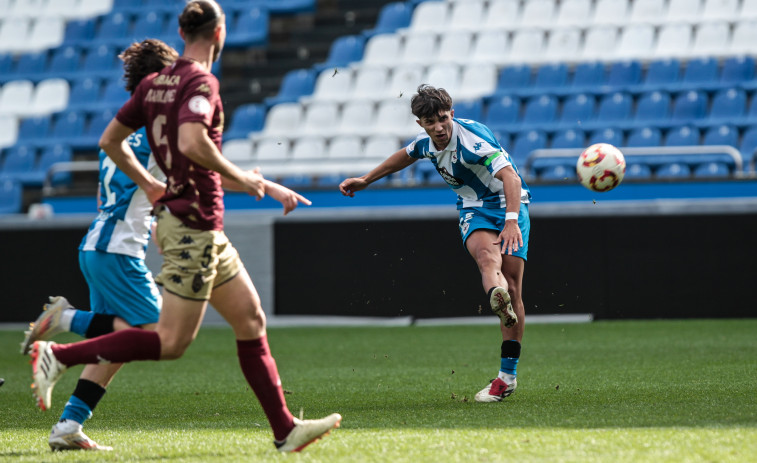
point(254, 183)
point(351, 185)
point(510, 238)
point(156, 192)
point(288, 198)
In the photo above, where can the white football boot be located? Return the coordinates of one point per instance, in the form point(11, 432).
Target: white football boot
point(496, 390)
point(306, 432)
point(48, 324)
point(46, 371)
point(68, 435)
point(501, 305)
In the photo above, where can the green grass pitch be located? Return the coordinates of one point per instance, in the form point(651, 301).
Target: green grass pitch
point(627, 391)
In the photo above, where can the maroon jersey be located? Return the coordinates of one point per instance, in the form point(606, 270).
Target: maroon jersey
point(182, 92)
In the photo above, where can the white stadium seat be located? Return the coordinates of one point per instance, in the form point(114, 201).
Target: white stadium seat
point(477, 81)
point(711, 38)
point(395, 118)
point(563, 44)
point(320, 119)
point(404, 80)
point(430, 17)
point(537, 13)
point(501, 15)
point(8, 131)
point(16, 97)
point(50, 96)
point(46, 32)
point(309, 147)
point(683, 11)
point(272, 150)
point(356, 117)
point(573, 12)
point(744, 37)
point(238, 151)
point(467, 15)
point(527, 46)
point(720, 10)
point(345, 146)
point(382, 49)
point(455, 47)
point(599, 43)
point(609, 12)
point(282, 120)
point(332, 87)
point(491, 46)
point(370, 82)
point(748, 9)
point(647, 11)
point(419, 48)
point(673, 40)
point(381, 146)
point(636, 41)
point(446, 76)
point(14, 35)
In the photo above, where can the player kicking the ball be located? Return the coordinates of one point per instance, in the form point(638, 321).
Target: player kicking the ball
point(493, 202)
point(181, 108)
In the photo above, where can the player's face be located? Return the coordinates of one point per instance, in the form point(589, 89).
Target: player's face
point(439, 128)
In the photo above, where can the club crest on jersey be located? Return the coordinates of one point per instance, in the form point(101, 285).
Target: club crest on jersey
point(449, 178)
point(199, 105)
point(454, 156)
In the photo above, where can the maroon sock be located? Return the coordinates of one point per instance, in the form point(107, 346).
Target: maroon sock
point(117, 347)
point(259, 369)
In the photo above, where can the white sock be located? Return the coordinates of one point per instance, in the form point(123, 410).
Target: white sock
point(66, 318)
point(506, 377)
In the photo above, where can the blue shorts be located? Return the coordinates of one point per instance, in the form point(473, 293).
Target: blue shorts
point(120, 285)
point(480, 218)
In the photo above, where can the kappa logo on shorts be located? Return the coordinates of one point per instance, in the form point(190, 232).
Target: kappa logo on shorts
point(198, 282)
point(175, 279)
point(185, 255)
point(186, 239)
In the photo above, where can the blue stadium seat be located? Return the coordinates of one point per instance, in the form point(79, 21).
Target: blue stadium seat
point(101, 61)
point(513, 79)
point(682, 136)
point(6, 66)
point(662, 74)
point(588, 77)
point(249, 28)
point(614, 110)
point(65, 62)
point(673, 170)
point(18, 161)
point(503, 113)
point(79, 32)
point(50, 155)
point(470, 109)
point(94, 129)
point(569, 138)
point(33, 130)
point(701, 73)
point(85, 93)
point(653, 108)
point(525, 142)
point(392, 16)
point(11, 196)
point(712, 169)
point(540, 111)
point(728, 105)
point(559, 172)
point(721, 135)
point(114, 95)
point(246, 119)
point(689, 106)
point(748, 146)
point(637, 170)
point(607, 135)
point(295, 84)
point(288, 7)
point(550, 78)
point(623, 75)
point(344, 50)
point(645, 136)
point(148, 25)
point(114, 29)
point(67, 127)
point(577, 110)
point(738, 70)
point(31, 66)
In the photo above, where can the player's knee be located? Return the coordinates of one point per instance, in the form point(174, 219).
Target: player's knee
point(173, 348)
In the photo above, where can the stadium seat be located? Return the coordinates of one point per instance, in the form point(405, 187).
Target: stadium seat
point(636, 41)
point(501, 13)
point(392, 16)
point(394, 118)
point(728, 105)
point(578, 109)
point(344, 51)
point(607, 135)
point(645, 136)
point(14, 33)
point(272, 149)
point(238, 151)
point(748, 146)
point(469, 109)
point(79, 32)
point(113, 29)
point(382, 49)
point(67, 127)
point(95, 127)
point(282, 120)
point(33, 130)
point(296, 83)
point(562, 43)
point(91, 8)
point(600, 43)
point(245, 119)
point(46, 32)
point(50, 96)
point(682, 136)
point(18, 161)
point(467, 15)
point(637, 171)
point(647, 11)
point(748, 9)
point(289, 7)
point(419, 49)
point(6, 66)
point(370, 83)
point(624, 74)
point(332, 85)
point(8, 130)
point(64, 62)
point(114, 95)
point(738, 70)
point(309, 147)
point(711, 38)
point(476, 82)
point(744, 37)
point(527, 46)
point(712, 170)
point(320, 118)
point(298, 181)
point(673, 40)
point(430, 17)
point(587, 77)
point(569, 138)
point(356, 116)
point(16, 96)
point(550, 78)
point(491, 46)
point(30, 66)
point(560, 172)
point(503, 113)
point(526, 142)
point(726, 10)
point(50, 155)
point(446, 76)
point(688, 11)
point(663, 74)
point(721, 135)
point(537, 13)
point(573, 12)
point(514, 79)
point(100, 61)
point(673, 170)
point(540, 112)
point(345, 147)
point(689, 106)
point(455, 46)
point(614, 108)
point(85, 93)
point(404, 79)
point(11, 196)
point(653, 109)
point(381, 146)
point(147, 25)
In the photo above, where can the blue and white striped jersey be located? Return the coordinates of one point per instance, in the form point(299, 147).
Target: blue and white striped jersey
point(468, 164)
point(123, 225)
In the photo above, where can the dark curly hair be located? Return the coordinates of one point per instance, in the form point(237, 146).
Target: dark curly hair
point(144, 58)
point(430, 101)
point(199, 18)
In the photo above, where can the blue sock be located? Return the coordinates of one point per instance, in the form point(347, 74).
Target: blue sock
point(81, 321)
point(509, 359)
point(508, 365)
point(76, 410)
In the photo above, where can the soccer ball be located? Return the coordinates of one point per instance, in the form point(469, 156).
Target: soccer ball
point(601, 167)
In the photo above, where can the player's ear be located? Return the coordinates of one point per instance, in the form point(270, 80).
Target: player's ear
point(452, 113)
point(418, 121)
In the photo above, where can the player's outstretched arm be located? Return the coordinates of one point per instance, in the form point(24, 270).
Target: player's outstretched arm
point(113, 142)
point(393, 163)
point(288, 198)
